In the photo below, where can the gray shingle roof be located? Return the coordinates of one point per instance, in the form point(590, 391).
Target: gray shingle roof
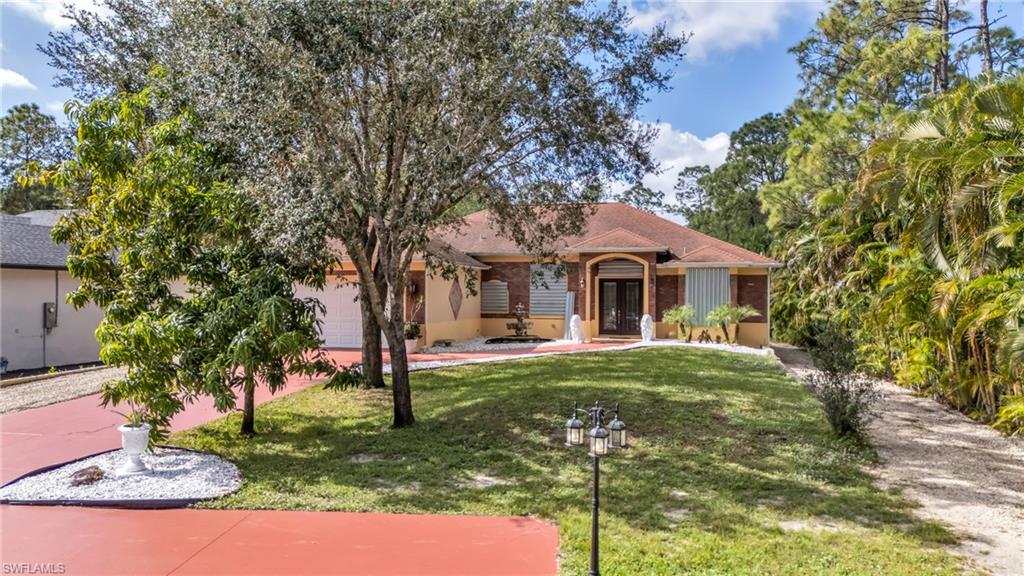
point(26, 245)
point(45, 217)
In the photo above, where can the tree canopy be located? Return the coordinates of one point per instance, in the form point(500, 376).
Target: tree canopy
point(373, 123)
point(897, 216)
point(725, 202)
point(193, 303)
point(29, 138)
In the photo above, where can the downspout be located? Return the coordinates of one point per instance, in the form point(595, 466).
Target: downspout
point(769, 311)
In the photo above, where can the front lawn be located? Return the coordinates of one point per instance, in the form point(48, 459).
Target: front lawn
point(732, 469)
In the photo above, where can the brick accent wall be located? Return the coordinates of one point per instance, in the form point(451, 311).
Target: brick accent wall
point(668, 294)
point(517, 275)
point(753, 291)
point(572, 284)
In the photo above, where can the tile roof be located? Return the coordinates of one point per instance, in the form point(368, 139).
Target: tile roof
point(436, 247)
point(685, 245)
point(26, 245)
point(617, 239)
point(440, 249)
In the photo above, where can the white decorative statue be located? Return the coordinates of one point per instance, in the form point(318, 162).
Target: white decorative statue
point(576, 329)
point(647, 328)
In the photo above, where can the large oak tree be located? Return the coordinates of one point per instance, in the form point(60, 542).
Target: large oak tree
point(370, 123)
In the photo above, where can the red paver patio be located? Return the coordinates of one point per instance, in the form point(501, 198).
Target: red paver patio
point(139, 542)
point(100, 541)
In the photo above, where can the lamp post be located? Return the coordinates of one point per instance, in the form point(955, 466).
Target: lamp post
point(600, 440)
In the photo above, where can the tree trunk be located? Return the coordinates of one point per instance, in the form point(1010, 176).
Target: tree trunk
point(373, 359)
point(942, 66)
point(986, 40)
point(249, 411)
point(400, 390)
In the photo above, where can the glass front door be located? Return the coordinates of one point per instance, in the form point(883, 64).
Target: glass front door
point(619, 304)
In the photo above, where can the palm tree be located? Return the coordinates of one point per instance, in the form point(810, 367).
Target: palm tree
point(681, 316)
point(720, 316)
point(738, 314)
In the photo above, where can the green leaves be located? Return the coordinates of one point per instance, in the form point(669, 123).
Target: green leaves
point(195, 304)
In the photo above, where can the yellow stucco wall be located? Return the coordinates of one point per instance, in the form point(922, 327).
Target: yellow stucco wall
point(751, 334)
point(440, 322)
point(543, 326)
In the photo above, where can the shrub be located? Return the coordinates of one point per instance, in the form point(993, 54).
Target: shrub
point(847, 397)
point(1010, 418)
point(351, 376)
point(848, 400)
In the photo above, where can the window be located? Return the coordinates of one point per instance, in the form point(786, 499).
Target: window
point(547, 290)
point(706, 289)
point(620, 268)
point(494, 297)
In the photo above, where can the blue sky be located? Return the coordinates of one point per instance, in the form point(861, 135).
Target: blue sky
point(737, 67)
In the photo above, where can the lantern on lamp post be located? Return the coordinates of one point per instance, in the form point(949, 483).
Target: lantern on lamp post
point(600, 439)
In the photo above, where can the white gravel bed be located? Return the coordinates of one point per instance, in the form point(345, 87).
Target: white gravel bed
point(57, 389)
point(433, 364)
point(176, 474)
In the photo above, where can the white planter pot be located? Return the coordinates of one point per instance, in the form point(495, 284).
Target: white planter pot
point(134, 442)
point(412, 346)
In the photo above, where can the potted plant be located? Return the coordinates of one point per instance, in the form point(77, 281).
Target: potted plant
point(682, 317)
point(412, 337)
point(412, 329)
point(134, 441)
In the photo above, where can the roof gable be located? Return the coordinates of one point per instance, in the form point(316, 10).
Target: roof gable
point(618, 238)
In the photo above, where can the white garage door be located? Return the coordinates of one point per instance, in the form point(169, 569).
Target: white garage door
point(341, 324)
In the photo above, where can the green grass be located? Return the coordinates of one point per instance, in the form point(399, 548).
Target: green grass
point(747, 445)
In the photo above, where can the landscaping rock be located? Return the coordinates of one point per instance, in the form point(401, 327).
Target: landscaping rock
point(175, 475)
point(90, 475)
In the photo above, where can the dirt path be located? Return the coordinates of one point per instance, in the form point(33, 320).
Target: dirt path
point(961, 472)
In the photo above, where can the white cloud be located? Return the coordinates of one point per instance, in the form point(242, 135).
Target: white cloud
point(675, 150)
point(716, 26)
point(51, 12)
point(11, 79)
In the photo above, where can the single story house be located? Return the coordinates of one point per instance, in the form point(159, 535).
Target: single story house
point(627, 263)
point(38, 328)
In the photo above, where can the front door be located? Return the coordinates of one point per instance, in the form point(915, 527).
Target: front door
point(620, 307)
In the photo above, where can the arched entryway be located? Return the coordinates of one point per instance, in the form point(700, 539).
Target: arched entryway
point(617, 294)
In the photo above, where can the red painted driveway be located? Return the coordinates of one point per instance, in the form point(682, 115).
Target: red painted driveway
point(139, 542)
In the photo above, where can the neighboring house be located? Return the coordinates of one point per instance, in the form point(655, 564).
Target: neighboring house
point(38, 328)
point(626, 264)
